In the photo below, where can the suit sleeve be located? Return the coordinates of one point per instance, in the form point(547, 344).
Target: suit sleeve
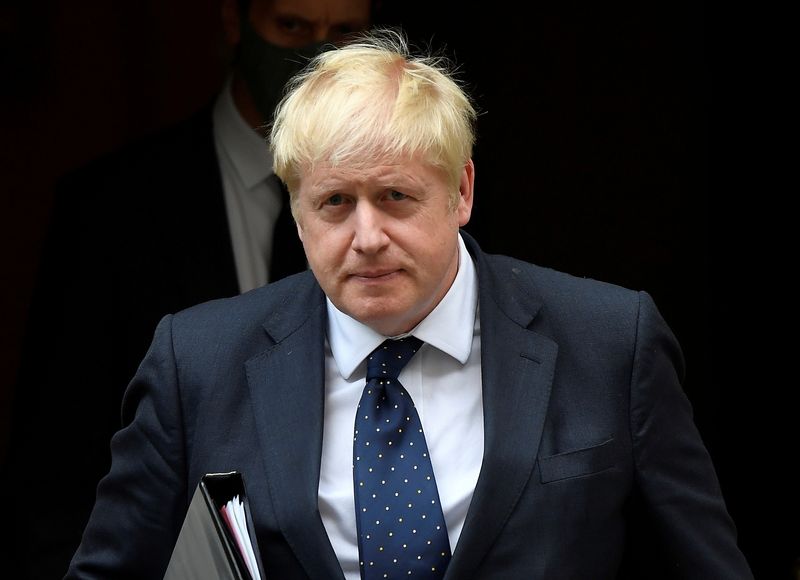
point(674, 472)
point(142, 501)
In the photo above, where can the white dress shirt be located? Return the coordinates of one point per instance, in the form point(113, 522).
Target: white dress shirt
point(252, 200)
point(443, 379)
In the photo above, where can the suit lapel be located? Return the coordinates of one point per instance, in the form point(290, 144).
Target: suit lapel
point(517, 372)
point(287, 387)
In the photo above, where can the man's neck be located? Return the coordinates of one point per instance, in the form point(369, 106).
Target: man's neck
point(245, 104)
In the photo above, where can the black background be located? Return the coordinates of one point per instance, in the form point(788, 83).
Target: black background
point(601, 152)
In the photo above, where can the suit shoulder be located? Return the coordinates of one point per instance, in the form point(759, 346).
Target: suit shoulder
point(581, 315)
point(163, 189)
point(565, 304)
point(144, 166)
point(555, 286)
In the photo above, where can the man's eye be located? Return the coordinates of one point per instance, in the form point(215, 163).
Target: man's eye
point(292, 25)
point(397, 196)
point(335, 199)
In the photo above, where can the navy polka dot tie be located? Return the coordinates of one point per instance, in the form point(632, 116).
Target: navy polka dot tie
point(401, 529)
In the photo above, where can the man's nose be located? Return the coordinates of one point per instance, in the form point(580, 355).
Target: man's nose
point(322, 33)
point(369, 235)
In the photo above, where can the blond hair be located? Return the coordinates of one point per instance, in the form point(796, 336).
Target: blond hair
point(372, 100)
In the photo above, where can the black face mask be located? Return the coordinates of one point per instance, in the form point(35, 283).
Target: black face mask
point(267, 68)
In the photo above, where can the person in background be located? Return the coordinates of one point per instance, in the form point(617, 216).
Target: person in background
point(189, 214)
point(412, 406)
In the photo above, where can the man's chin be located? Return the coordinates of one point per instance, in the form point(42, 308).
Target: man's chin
point(382, 318)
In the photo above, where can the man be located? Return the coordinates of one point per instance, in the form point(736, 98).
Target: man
point(411, 406)
point(190, 214)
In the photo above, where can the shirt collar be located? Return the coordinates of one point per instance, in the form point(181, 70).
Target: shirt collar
point(449, 327)
point(246, 151)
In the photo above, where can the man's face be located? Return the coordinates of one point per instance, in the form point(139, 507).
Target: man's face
point(276, 39)
point(299, 23)
point(382, 241)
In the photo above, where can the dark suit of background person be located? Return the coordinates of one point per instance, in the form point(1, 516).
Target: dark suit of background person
point(585, 422)
point(135, 235)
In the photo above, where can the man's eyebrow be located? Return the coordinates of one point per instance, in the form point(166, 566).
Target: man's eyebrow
point(291, 14)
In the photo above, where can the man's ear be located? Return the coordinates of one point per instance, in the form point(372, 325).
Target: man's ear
point(466, 190)
point(230, 21)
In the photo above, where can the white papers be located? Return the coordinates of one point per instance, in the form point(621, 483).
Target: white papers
point(233, 514)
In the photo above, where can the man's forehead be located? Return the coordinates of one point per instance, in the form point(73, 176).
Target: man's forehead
point(361, 173)
point(328, 173)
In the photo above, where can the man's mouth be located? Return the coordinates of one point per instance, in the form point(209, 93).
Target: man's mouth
point(376, 275)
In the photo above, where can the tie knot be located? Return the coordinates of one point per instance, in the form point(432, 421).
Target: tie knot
point(390, 357)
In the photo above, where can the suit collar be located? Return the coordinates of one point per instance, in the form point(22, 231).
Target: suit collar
point(504, 281)
point(297, 301)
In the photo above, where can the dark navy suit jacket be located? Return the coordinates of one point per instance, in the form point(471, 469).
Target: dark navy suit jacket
point(584, 417)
